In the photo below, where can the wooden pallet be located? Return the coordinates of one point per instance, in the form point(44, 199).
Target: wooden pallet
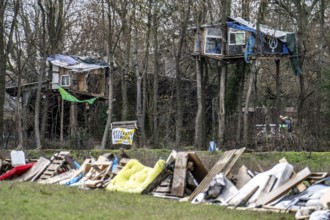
point(58, 164)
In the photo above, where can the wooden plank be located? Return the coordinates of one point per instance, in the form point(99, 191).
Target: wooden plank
point(199, 171)
point(301, 187)
point(171, 157)
point(238, 153)
point(224, 164)
point(58, 178)
point(216, 169)
point(301, 176)
point(157, 181)
point(40, 165)
point(166, 189)
point(39, 173)
point(179, 174)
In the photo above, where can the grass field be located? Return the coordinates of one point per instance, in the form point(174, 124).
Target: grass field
point(36, 201)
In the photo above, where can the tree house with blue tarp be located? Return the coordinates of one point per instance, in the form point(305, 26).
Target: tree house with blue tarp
point(236, 39)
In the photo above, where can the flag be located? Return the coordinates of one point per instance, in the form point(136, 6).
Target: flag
point(68, 97)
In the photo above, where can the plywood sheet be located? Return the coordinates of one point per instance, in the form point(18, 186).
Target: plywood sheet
point(199, 171)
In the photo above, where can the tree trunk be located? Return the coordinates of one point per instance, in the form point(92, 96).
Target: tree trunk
point(221, 110)
point(62, 121)
point(144, 78)
point(278, 98)
point(247, 102)
point(301, 99)
point(155, 81)
point(319, 77)
point(138, 80)
point(239, 103)
point(178, 53)
point(126, 71)
point(110, 83)
point(73, 119)
point(200, 93)
point(42, 72)
point(19, 110)
point(5, 50)
point(44, 118)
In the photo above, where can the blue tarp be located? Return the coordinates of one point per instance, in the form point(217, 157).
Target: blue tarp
point(252, 39)
point(249, 48)
point(236, 26)
point(77, 178)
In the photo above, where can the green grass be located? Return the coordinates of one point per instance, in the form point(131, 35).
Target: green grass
point(36, 201)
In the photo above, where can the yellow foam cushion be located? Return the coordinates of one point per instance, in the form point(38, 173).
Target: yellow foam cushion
point(135, 177)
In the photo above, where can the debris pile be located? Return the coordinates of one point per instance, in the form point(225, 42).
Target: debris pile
point(184, 177)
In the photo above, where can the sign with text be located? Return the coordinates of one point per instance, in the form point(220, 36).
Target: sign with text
point(122, 136)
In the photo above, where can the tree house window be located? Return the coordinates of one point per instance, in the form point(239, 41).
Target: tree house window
point(213, 41)
point(65, 80)
point(236, 37)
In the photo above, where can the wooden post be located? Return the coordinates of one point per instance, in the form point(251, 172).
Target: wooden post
point(62, 121)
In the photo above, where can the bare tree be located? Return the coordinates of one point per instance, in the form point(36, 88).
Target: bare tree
point(5, 50)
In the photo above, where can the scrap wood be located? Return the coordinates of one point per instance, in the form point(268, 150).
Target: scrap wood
point(179, 174)
point(187, 164)
point(217, 168)
point(83, 168)
point(199, 171)
point(281, 190)
point(57, 165)
point(158, 181)
point(224, 164)
point(97, 168)
point(93, 183)
point(301, 187)
point(38, 167)
point(171, 157)
point(58, 178)
point(120, 166)
point(259, 209)
point(318, 175)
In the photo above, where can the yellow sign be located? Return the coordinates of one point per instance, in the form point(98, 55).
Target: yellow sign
point(122, 136)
